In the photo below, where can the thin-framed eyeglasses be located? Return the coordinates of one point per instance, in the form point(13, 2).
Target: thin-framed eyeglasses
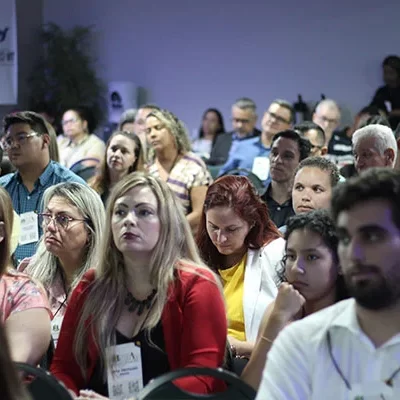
point(278, 118)
point(61, 220)
point(20, 139)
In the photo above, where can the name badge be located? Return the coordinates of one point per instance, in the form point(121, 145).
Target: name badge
point(29, 228)
point(56, 328)
point(124, 374)
point(261, 167)
point(371, 391)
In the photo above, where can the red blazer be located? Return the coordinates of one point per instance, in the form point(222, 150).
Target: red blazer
point(194, 325)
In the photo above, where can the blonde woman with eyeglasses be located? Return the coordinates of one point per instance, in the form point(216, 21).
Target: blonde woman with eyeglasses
point(149, 308)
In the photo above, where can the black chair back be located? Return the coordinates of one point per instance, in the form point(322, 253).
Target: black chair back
point(162, 388)
point(41, 384)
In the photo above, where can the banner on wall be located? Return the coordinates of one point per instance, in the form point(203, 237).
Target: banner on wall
point(121, 96)
point(8, 53)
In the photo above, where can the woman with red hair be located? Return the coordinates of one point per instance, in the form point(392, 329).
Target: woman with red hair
point(239, 241)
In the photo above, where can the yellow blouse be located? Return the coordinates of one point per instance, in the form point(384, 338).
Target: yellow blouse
point(233, 283)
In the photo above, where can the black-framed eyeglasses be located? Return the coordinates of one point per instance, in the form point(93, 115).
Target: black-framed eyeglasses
point(61, 220)
point(20, 139)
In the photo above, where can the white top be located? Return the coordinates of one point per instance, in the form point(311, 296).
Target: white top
point(299, 366)
point(260, 284)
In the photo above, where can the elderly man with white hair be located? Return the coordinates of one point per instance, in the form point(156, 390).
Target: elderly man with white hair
point(374, 146)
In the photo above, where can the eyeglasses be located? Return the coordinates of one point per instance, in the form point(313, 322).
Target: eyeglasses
point(69, 121)
point(330, 121)
point(61, 220)
point(20, 139)
point(278, 118)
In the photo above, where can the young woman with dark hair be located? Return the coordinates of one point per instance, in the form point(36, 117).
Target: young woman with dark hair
point(309, 279)
point(238, 240)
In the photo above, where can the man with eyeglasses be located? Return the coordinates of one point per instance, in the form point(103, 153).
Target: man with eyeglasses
point(26, 140)
point(252, 154)
point(327, 115)
point(244, 119)
point(350, 350)
point(315, 135)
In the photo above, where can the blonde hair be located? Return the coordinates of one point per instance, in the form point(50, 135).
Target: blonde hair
point(44, 266)
point(176, 127)
point(175, 249)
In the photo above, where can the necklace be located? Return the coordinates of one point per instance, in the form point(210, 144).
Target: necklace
point(139, 305)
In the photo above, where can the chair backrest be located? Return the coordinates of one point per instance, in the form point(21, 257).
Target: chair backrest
point(255, 180)
point(162, 388)
point(41, 384)
point(81, 164)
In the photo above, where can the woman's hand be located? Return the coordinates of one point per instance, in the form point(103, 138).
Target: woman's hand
point(288, 302)
point(243, 349)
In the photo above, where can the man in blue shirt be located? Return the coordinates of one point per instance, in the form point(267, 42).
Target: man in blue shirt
point(252, 154)
point(26, 139)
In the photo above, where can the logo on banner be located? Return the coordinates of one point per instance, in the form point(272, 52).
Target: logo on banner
point(7, 56)
point(3, 34)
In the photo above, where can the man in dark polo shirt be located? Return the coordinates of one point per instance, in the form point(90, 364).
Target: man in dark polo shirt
point(287, 150)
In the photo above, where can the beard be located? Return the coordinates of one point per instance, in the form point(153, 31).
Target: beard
point(376, 292)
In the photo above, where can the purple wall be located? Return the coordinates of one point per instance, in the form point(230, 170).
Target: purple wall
point(191, 55)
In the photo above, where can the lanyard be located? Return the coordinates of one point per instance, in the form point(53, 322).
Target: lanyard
point(388, 381)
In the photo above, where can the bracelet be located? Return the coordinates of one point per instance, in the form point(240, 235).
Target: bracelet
point(267, 340)
point(233, 351)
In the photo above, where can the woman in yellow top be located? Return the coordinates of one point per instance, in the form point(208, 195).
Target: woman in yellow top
point(238, 240)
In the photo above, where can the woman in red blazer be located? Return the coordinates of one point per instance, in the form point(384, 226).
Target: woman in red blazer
point(149, 307)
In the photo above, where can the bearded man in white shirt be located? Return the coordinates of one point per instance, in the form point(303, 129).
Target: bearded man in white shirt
point(352, 349)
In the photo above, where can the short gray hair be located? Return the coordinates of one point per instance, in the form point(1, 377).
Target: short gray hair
point(244, 103)
point(383, 136)
point(328, 103)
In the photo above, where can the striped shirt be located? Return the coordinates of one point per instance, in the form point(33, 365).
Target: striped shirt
point(189, 172)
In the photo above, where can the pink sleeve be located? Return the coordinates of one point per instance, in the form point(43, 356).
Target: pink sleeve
point(21, 293)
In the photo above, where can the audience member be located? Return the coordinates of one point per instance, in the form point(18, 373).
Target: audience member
point(150, 296)
point(140, 127)
point(127, 120)
point(174, 163)
point(353, 343)
point(244, 119)
point(73, 221)
point(388, 97)
point(77, 143)
point(349, 170)
point(310, 280)
point(123, 155)
point(24, 308)
point(212, 125)
point(287, 150)
point(327, 115)
point(238, 241)
point(315, 135)
point(374, 146)
point(313, 184)
point(253, 154)
point(26, 140)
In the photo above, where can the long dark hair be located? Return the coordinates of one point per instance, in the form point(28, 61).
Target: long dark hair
point(238, 193)
point(221, 128)
point(319, 222)
point(101, 181)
